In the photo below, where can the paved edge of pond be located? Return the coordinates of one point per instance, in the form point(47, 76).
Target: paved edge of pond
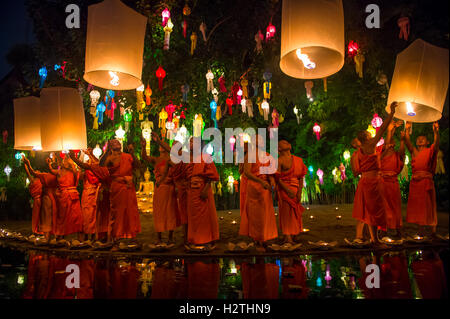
point(218, 252)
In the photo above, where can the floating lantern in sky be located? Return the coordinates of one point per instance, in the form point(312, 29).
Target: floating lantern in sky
point(165, 14)
point(65, 125)
point(107, 64)
point(377, 122)
point(420, 82)
point(97, 151)
point(167, 30)
point(160, 74)
point(317, 29)
point(7, 171)
point(316, 130)
point(320, 175)
point(27, 123)
point(270, 31)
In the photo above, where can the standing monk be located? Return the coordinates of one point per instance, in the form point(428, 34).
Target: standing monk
point(370, 205)
point(203, 227)
point(124, 212)
point(48, 210)
point(392, 162)
point(291, 171)
point(260, 215)
point(421, 209)
point(165, 206)
point(35, 188)
point(69, 219)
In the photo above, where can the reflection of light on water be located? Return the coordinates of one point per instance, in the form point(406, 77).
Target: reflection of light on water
point(20, 279)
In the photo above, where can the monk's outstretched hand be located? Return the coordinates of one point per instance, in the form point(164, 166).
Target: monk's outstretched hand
point(393, 107)
point(435, 127)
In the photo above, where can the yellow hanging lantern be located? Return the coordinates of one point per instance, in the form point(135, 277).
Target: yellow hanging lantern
point(371, 130)
point(64, 126)
point(114, 46)
point(420, 82)
point(27, 123)
point(312, 38)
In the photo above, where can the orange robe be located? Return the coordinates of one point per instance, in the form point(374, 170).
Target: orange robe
point(103, 216)
point(430, 278)
point(178, 173)
point(258, 217)
point(165, 205)
point(35, 188)
point(260, 281)
point(38, 277)
point(421, 208)
point(369, 205)
point(290, 209)
point(89, 201)
point(391, 166)
point(125, 221)
point(203, 280)
point(69, 219)
point(49, 208)
point(203, 226)
point(124, 281)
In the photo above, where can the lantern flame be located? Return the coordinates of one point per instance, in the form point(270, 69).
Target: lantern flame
point(307, 63)
point(409, 109)
point(114, 78)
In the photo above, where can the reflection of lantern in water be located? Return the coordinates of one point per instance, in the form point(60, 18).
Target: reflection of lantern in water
point(420, 82)
point(317, 29)
point(107, 64)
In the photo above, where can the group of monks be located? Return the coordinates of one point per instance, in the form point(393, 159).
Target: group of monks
point(377, 201)
point(108, 212)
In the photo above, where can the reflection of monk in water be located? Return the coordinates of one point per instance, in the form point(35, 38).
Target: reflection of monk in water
point(260, 280)
point(394, 275)
point(294, 279)
point(38, 276)
point(164, 285)
point(202, 280)
point(430, 276)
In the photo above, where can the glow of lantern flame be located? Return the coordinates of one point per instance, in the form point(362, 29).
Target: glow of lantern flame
point(409, 109)
point(114, 78)
point(307, 63)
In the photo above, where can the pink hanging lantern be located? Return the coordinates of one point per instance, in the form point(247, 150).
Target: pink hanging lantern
point(165, 16)
point(316, 130)
point(342, 169)
point(352, 49)
point(270, 31)
point(320, 175)
point(170, 109)
point(376, 122)
point(232, 142)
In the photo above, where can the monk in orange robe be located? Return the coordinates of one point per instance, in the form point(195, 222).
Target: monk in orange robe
point(102, 206)
point(203, 226)
point(291, 171)
point(258, 216)
point(91, 185)
point(35, 188)
point(124, 214)
point(69, 219)
point(421, 208)
point(369, 206)
point(165, 206)
point(47, 207)
point(260, 280)
point(392, 162)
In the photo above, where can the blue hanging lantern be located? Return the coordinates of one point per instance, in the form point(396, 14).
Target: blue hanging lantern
point(43, 76)
point(213, 106)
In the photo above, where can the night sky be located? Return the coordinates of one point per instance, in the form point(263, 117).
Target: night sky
point(16, 28)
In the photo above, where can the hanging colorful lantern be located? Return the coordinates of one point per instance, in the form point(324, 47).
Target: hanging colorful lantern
point(215, 94)
point(244, 87)
point(377, 122)
point(193, 42)
point(146, 127)
point(371, 130)
point(162, 121)
point(244, 106)
point(167, 30)
point(181, 134)
point(249, 107)
point(346, 155)
point(202, 29)
point(27, 124)
point(258, 39)
point(127, 117)
point(148, 94)
point(95, 96)
point(310, 170)
point(113, 107)
point(229, 103)
point(186, 12)
point(222, 85)
point(298, 115)
point(213, 106)
point(265, 109)
point(185, 91)
point(317, 29)
point(359, 61)
point(107, 64)
point(342, 169)
point(230, 184)
point(239, 96)
point(170, 126)
point(420, 82)
point(7, 171)
point(209, 81)
point(404, 173)
point(320, 175)
point(275, 118)
point(160, 74)
point(140, 97)
point(270, 31)
point(97, 151)
point(308, 86)
point(267, 85)
point(120, 134)
point(403, 24)
point(352, 49)
point(170, 109)
point(197, 125)
point(316, 130)
point(232, 142)
point(43, 76)
point(165, 14)
point(336, 176)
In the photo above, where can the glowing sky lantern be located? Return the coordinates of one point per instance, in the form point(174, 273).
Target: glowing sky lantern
point(316, 28)
point(316, 130)
point(377, 122)
point(270, 31)
point(167, 30)
point(160, 74)
point(346, 155)
point(232, 141)
point(27, 123)
point(371, 130)
point(97, 151)
point(107, 64)
point(7, 171)
point(320, 175)
point(165, 14)
point(420, 82)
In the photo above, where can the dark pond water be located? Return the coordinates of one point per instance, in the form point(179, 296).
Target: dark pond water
point(406, 274)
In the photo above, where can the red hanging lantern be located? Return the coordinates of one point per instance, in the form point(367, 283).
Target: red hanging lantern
point(229, 103)
point(270, 31)
point(165, 16)
point(376, 122)
point(316, 130)
point(160, 74)
point(352, 49)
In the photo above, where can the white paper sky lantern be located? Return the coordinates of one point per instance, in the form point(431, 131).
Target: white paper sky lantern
point(63, 127)
point(312, 38)
point(420, 82)
point(114, 46)
point(27, 123)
